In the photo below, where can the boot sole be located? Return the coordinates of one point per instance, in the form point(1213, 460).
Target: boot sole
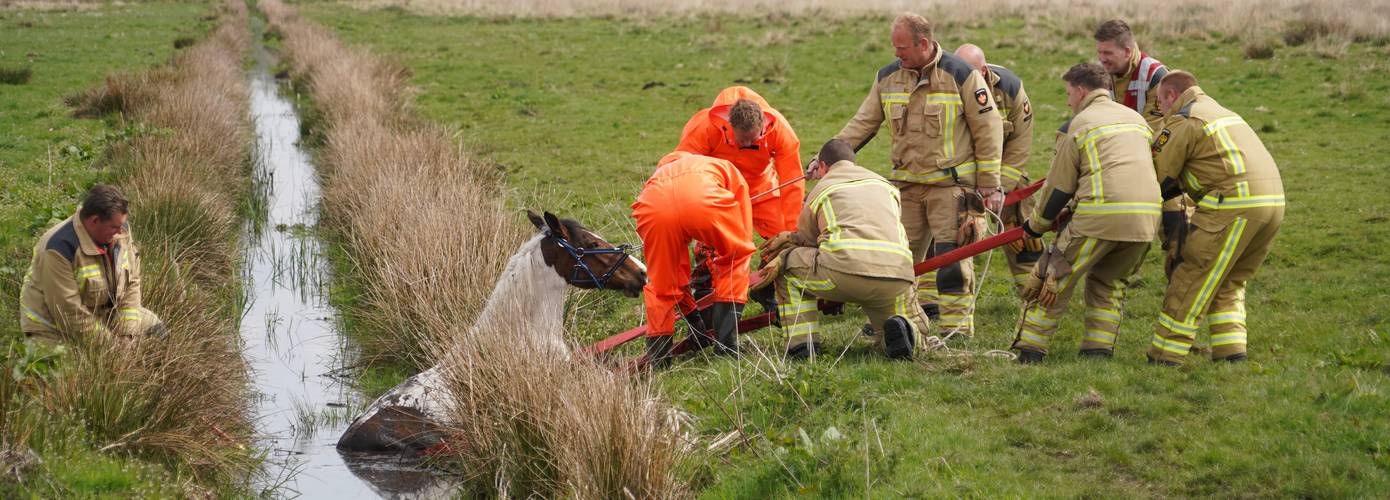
point(897, 340)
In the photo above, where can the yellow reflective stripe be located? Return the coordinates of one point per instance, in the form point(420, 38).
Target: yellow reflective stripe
point(825, 195)
point(989, 166)
point(944, 98)
point(1226, 318)
point(1228, 338)
point(1010, 173)
point(1218, 270)
point(1088, 250)
point(1234, 157)
point(1188, 329)
point(1191, 179)
point(817, 285)
point(1243, 189)
point(800, 329)
point(1101, 336)
point(1173, 346)
point(957, 300)
point(88, 271)
point(129, 315)
point(1239, 202)
point(894, 97)
point(935, 175)
point(1037, 316)
point(835, 245)
point(37, 318)
point(1087, 143)
point(1032, 338)
point(1103, 315)
point(797, 307)
point(1109, 208)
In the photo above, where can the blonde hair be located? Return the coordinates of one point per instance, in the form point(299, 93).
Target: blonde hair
point(919, 26)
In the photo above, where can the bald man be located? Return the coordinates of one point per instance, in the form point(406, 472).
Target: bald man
point(1017, 112)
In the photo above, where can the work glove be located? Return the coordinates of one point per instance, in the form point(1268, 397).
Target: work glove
point(830, 307)
point(768, 273)
point(1028, 290)
point(1174, 238)
point(971, 222)
point(775, 245)
point(1047, 294)
point(1057, 270)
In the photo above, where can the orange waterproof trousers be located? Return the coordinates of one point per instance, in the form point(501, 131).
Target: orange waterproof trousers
point(693, 198)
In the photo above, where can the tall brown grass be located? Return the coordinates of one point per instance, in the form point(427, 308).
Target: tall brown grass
point(1245, 19)
point(182, 399)
point(428, 233)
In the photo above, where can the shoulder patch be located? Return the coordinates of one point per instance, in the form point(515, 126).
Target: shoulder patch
point(889, 69)
point(955, 66)
point(1008, 81)
point(1027, 109)
point(981, 97)
point(65, 241)
point(1162, 140)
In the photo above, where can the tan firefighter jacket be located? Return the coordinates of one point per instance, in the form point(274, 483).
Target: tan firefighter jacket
point(1017, 112)
point(73, 288)
point(1102, 164)
point(943, 122)
point(1211, 154)
point(854, 216)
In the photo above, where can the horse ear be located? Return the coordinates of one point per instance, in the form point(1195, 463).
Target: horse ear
point(535, 219)
point(555, 226)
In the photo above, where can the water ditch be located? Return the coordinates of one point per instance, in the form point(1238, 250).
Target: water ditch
point(290, 331)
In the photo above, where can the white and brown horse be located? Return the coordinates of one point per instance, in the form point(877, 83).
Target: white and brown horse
point(562, 253)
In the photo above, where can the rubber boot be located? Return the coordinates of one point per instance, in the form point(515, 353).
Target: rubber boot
point(658, 351)
point(767, 297)
point(1234, 358)
point(933, 312)
point(803, 352)
point(897, 338)
point(1164, 362)
point(724, 316)
point(699, 333)
point(1097, 353)
point(1026, 357)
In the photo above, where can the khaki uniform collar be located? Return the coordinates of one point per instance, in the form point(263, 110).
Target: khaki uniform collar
point(936, 58)
point(1133, 65)
point(1188, 97)
point(89, 247)
point(1091, 98)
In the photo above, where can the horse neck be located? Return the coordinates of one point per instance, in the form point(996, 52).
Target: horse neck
point(528, 290)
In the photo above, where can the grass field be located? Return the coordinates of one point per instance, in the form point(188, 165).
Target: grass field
point(576, 111)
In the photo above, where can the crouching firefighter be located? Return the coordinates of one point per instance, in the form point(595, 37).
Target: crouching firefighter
point(850, 247)
point(84, 279)
point(1211, 154)
point(693, 198)
point(1103, 165)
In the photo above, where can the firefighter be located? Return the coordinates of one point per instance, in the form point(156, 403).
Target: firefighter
point(743, 129)
point(84, 279)
point(947, 141)
point(1136, 76)
point(1103, 168)
point(1211, 154)
point(1017, 112)
point(851, 247)
point(702, 199)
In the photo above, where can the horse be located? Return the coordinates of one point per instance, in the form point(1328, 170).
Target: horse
point(562, 253)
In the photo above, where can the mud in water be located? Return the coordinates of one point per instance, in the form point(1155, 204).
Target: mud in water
point(290, 331)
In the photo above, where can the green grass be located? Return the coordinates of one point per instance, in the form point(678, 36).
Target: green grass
point(560, 107)
point(47, 159)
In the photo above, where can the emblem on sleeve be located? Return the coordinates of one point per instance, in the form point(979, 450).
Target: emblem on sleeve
point(982, 97)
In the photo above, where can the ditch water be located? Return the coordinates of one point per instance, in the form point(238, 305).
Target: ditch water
point(289, 330)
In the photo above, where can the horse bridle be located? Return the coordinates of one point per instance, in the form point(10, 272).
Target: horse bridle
point(581, 274)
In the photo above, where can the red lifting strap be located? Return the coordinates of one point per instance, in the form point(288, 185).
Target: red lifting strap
point(765, 319)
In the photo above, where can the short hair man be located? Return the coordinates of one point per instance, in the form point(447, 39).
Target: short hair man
point(850, 247)
point(1211, 154)
point(1103, 164)
point(947, 141)
point(84, 278)
point(1017, 112)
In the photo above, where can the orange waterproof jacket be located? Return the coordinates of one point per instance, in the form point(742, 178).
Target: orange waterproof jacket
point(709, 133)
point(692, 198)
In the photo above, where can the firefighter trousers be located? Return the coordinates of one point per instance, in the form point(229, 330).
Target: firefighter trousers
point(1107, 267)
point(931, 218)
point(802, 282)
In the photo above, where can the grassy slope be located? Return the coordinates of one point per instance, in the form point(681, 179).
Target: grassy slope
point(560, 106)
point(48, 158)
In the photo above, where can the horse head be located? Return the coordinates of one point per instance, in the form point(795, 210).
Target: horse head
point(585, 260)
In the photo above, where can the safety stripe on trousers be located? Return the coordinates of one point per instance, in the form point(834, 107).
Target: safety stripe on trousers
point(1217, 272)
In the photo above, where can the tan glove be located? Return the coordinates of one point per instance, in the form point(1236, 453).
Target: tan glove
point(774, 245)
point(1047, 295)
point(768, 273)
point(1057, 270)
point(971, 223)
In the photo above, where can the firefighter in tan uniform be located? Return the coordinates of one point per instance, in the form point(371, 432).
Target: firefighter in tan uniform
point(85, 277)
point(1017, 112)
point(947, 140)
point(1135, 76)
point(1104, 167)
point(1211, 154)
point(850, 246)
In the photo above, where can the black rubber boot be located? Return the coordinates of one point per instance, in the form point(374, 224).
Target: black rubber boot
point(701, 283)
point(1026, 357)
point(1097, 353)
point(658, 351)
point(897, 338)
point(803, 352)
point(933, 312)
point(699, 333)
point(724, 317)
point(1156, 361)
point(1234, 358)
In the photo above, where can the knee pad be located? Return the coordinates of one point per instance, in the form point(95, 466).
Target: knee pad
point(950, 278)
